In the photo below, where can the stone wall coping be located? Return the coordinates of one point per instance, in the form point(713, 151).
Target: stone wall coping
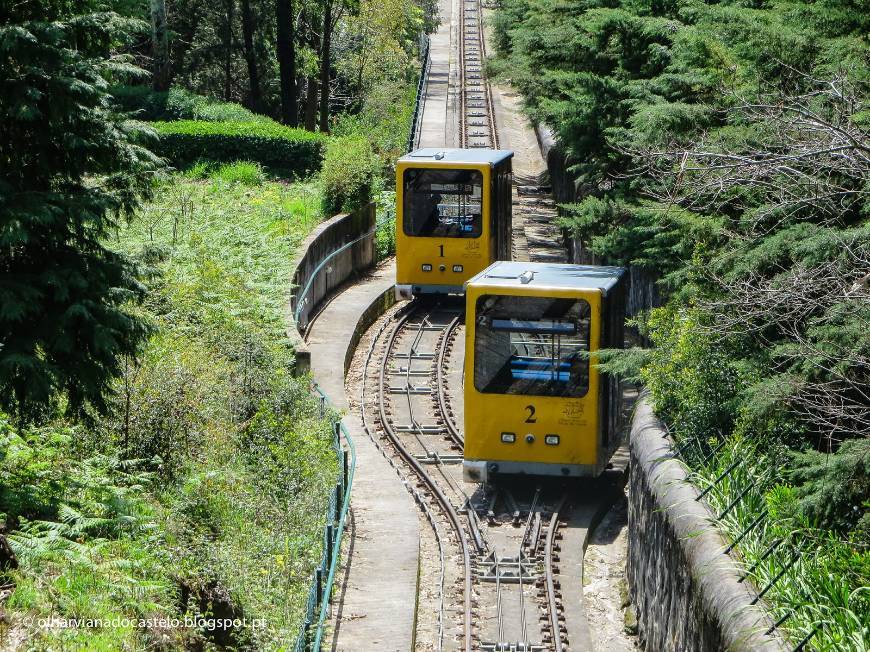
point(715, 574)
point(297, 340)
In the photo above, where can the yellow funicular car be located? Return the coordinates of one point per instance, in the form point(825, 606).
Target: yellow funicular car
point(453, 217)
point(535, 401)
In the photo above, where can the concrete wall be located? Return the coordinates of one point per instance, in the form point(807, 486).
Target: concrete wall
point(347, 245)
point(382, 303)
point(684, 588)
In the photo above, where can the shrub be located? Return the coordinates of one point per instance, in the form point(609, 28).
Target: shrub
point(294, 151)
point(180, 104)
point(246, 173)
point(350, 174)
point(385, 237)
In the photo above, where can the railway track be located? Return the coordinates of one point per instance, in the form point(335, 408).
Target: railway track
point(535, 212)
point(494, 570)
point(477, 114)
point(497, 581)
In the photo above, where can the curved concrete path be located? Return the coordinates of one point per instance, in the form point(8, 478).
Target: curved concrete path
point(378, 587)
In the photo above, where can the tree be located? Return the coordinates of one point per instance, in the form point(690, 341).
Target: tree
point(69, 168)
point(228, 49)
point(286, 52)
point(325, 53)
point(251, 57)
point(160, 46)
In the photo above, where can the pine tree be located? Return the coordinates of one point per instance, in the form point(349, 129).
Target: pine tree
point(70, 168)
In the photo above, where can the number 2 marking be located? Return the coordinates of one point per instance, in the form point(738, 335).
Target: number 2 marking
point(531, 418)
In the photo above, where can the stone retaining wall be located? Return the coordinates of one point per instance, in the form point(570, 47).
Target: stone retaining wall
point(347, 245)
point(684, 588)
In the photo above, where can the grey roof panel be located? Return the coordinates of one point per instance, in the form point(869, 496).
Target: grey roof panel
point(445, 155)
point(554, 275)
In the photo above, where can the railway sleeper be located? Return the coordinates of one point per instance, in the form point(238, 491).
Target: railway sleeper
point(416, 390)
point(429, 429)
point(436, 458)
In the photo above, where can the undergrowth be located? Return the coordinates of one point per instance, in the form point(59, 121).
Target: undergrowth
point(813, 580)
point(204, 492)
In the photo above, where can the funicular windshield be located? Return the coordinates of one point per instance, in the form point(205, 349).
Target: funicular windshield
point(443, 203)
point(536, 346)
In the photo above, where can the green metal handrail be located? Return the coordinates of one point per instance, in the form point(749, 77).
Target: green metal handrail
point(339, 504)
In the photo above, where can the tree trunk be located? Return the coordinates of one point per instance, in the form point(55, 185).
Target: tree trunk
point(159, 46)
point(311, 103)
point(8, 562)
point(286, 52)
point(325, 65)
point(228, 50)
point(251, 56)
point(186, 26)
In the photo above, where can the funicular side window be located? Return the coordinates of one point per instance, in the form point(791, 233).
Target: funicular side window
point(535, 346)
point(442, 203)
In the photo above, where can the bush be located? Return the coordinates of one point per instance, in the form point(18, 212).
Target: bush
point(246, 173)
point(350, 174)
point(180, 104)
point(294, 151)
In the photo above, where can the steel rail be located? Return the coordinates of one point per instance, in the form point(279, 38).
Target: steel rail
point(489, 101)
point(452, 430)
point(424, 476)
point(463, 101)
point(430, 517)
point(551, 587)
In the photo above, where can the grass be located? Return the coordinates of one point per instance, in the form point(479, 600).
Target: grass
point(808, 573)
point(814, 580)
point(204, 493)
point(246, 173)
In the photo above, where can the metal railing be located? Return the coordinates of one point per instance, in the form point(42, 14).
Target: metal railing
point(311, 633)
point(312, 630)
point(302, 300)
point(414, 133)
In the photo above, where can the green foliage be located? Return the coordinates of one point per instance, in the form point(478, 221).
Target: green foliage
point(205, 488)
point(69, 168)
point(614, 78)
point(85, 533)
point(824, 583)
point(833, 488)
point(180, 104)
point(384, 119)
point(699, 389)
point(350, 174)
point(291, 151)
point(385, 236)
point(694, 383)
point(246, 173)
point(247, 461)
